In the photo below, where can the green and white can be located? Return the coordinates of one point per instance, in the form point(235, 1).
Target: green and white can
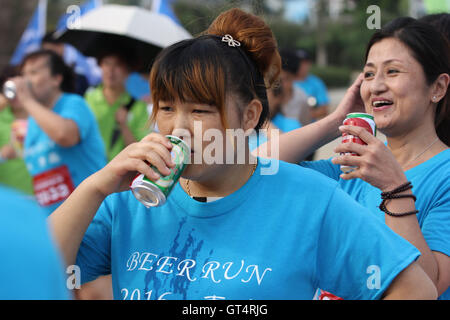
point(154, 193)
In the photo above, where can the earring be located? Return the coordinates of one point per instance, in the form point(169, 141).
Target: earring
point(434, 99)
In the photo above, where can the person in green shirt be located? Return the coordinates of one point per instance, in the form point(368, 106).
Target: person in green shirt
point(122, 120)
point(13, 171)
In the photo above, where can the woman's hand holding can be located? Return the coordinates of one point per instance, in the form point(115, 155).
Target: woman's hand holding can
point(117, 175)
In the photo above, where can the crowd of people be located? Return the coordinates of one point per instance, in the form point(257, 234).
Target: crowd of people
point(229, 231)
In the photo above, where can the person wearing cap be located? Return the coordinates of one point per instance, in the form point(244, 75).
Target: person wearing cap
point(121, 118)
point(314, 87)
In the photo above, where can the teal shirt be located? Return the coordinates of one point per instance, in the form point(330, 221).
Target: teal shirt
point(31, 268)
point(431, 186)
point(279, 236)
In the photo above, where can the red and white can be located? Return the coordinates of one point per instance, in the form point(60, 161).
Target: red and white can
point(363, 120)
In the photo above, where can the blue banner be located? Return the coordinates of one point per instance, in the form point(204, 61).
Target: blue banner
point(32, 36)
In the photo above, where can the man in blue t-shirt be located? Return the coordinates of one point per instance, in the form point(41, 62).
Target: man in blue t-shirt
point(63, 145)
point(313, 86)
point(31, 267)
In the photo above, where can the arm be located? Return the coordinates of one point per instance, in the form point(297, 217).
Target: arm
point(319, 112)
point(72, 218)
point(295, 145)
point(377, 166)
point(63, 131)
point(7, 152)
point(411, 284)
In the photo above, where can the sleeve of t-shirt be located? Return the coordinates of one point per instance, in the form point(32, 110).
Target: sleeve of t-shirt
point(325, 167)
point(94, 254)
point(321, 93)
point(358, 256)
point(80, 113)
point(436, 225)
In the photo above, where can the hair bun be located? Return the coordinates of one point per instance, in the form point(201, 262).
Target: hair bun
point(255, 37)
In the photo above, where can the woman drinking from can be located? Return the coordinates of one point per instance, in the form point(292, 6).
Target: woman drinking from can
point(226, 231)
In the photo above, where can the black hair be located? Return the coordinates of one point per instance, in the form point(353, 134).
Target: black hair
point(203, 70)
point(430, 48)
point(440, 21)
point(49, 37)
point(290, 62)
point(126, 54)
point(57, 67)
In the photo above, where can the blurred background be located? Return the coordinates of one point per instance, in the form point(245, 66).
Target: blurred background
point(334, 32)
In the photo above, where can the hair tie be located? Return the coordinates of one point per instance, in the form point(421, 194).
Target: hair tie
point(230, 41)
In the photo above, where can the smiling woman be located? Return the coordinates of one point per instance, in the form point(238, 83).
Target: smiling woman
point(404, 85)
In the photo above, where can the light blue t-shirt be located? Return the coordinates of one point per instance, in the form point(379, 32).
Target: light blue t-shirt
point(52, 163)
point(431, 186)
point(31, 267)
point(314, 86)
point(278, 237)
point(284, 123)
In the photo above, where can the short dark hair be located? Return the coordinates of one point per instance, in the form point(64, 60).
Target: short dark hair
point(440, 21)
point(290, 62)
point(57, 67)
point(205, 69)
point(126, 55)
point(430, 48)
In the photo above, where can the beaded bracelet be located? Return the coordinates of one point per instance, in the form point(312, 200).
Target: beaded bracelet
point(389, 195)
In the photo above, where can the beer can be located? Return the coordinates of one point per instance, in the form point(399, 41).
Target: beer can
point(154, 193)
point(9, 89)
point(358, 119)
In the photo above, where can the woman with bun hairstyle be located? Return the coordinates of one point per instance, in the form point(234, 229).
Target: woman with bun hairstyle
point(404, 85)
point(227, 231)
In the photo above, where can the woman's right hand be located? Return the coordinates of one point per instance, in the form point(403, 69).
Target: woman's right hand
point(352, 101)
point(117, 175)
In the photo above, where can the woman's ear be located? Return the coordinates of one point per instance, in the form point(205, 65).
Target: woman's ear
point(440, 87)
point(251, 114)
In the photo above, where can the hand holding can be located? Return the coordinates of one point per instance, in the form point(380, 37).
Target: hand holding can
point(363, 120)
point(154, 193)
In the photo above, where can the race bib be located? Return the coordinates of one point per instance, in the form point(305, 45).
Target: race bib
point(52, 186)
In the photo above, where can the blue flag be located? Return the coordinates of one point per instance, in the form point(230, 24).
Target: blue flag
point(83, 65)
point(32, 36)
point(74, 12)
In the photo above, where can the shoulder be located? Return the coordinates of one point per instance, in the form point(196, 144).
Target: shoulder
point(20, 219)
point(94, 95)
point(292, 176)
point(72, 99)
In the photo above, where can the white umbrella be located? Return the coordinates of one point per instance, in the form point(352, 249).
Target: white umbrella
point(145, 31)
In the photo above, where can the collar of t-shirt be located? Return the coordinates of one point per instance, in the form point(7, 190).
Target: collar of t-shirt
point(215, 206)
